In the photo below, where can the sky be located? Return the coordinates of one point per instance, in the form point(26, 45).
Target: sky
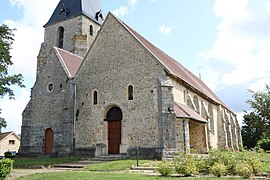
point(226, 42)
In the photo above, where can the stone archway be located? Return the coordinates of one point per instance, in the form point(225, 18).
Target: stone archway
point(48, 141)
point(114, 117)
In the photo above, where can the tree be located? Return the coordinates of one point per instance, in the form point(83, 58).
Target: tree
point(6, 80)
point(257, 123)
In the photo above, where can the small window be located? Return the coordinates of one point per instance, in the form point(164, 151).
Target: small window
point(61, 37)
point(11, 142)
point(130, 92)
point(91, 30)
point(50, 87)
point(95, 97)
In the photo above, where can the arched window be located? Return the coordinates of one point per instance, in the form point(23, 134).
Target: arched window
point(130, 92)
point(61, 37)
point(91, 30)
point(95, 97)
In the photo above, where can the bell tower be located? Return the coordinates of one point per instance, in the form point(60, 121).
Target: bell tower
point(74, 25)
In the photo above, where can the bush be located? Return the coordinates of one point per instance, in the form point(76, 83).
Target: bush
point(164, 168)
point(218, 169)
point(185, 165)
point(6, 166)
point(9, 154)
point(263, 144)
point(244, 170)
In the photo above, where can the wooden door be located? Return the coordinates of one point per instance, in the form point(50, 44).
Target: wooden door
point(114, 137)
point(48, 141)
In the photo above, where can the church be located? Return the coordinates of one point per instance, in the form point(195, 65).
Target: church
point(101, 88)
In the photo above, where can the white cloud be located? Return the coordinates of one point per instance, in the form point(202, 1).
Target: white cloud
point(242, 45)
point(12, 110)
point(122, 11)
point(165, 29)
point(28, 38)
point(133, 2)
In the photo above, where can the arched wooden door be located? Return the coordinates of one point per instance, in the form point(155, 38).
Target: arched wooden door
point(48, 141)
point(114, 117)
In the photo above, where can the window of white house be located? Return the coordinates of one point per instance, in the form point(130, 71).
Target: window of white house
point(11, 142)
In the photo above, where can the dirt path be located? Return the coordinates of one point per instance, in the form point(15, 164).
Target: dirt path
point(16, 173)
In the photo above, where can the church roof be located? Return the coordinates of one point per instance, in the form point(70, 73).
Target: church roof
point(71, 8)
point(176, 69)
point(69, 61)
point(183, 111)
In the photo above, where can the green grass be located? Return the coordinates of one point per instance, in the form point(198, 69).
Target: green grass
point(70, 175)
point(114, 165)
point(42, 161)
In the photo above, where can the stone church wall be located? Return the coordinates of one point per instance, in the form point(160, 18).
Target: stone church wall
point(49, 109)
point(117, 61)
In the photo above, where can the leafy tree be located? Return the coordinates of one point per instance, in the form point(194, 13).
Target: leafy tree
point(251, 130)
point(6, 80)
point(257, 123)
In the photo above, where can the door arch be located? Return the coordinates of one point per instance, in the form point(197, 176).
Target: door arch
point(48, 141)
point(114, 117)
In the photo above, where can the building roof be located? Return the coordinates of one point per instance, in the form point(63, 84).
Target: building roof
point(6, 134)
point(176, 69)
point(71, 8)
point(183, 111)
point(69, 61)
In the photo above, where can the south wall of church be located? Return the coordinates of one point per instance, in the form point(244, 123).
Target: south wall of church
point(116, 61)
point(222, 128)
point(48, 108)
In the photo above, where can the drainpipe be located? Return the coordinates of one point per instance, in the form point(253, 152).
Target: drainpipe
point(74, 113)
point(184, 133)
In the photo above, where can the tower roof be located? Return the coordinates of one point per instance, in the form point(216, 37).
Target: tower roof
point(71, 8)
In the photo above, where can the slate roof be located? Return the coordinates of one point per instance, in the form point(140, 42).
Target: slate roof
point(183, 111)
point(176, 69)
point(69, 61)
point(71, 8)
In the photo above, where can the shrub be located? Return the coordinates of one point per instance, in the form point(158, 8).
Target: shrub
point(263, 144)
point(6, 166)
point(185, 165)
point(8, 154)
point(218, 169)
point(164, 168)
point(244, 170)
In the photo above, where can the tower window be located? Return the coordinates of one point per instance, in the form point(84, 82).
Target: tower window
point(61, 37)
point(130, 92)
point(91, 30)
point(95, 97)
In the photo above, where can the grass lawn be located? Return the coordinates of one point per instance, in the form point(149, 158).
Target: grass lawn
point(115, 165)
point(70, 175)
point(42, 161)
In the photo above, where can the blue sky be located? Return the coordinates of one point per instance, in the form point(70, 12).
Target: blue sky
point(226, 41)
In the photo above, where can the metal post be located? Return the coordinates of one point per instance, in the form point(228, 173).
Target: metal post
point(137, 153)
point(74, 115)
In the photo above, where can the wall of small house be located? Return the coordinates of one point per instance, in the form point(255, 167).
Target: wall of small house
point(6, 146)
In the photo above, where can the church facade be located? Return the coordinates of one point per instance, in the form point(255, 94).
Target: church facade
point(101, 88)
